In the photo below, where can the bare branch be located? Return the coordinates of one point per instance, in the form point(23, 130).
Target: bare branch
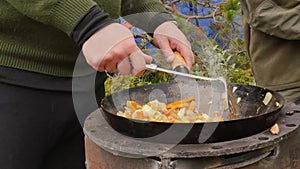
point(207, 5)
point(169, 5)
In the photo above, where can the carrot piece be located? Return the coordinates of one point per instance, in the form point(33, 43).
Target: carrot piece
point(180, 105)
point(140, 115)
point(173, 120)
point(169, 111)
point(135, 105)
point(170, 105)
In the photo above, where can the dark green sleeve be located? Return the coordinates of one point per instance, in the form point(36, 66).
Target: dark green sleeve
point(145, 14)
point(139, 6)
point(62, 14)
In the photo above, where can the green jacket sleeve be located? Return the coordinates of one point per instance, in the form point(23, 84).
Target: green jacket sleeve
point(145, 14)
point(273, 19)
point(138, 6)
point(62, 14)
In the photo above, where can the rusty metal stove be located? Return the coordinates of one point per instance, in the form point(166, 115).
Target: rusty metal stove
point(107, 149)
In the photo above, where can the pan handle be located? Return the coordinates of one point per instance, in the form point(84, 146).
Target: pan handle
point(179, 64)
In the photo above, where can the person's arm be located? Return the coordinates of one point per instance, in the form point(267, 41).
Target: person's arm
point(62, 14)
point(105, 44)
point(275, 20)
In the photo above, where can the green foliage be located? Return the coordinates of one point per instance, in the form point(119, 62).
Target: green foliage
point(117, 83)
point(230, 9)
point(214, 61)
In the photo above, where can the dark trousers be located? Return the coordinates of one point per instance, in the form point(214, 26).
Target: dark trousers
point(39, 129)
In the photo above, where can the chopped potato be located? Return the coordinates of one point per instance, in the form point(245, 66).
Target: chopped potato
point(275, 129)
point(182, 111)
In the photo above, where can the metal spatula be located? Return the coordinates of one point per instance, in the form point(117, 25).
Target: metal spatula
point(179, 64)
point(156, 68)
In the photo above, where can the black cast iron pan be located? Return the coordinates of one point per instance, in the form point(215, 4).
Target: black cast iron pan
point(254, 115)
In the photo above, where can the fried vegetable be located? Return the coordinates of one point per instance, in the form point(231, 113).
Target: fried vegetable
point(182, 111)
point(275, 129)
point(267, 98)
point(180, 102)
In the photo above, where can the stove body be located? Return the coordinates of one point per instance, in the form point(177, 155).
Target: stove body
point(107, 149)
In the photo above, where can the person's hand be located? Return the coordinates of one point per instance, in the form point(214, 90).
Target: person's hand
point(112, 48)
point(169, 38)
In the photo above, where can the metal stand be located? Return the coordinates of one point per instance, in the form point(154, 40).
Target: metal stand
point(107, 149)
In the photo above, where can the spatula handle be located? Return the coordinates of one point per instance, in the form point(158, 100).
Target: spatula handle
point(179, 63)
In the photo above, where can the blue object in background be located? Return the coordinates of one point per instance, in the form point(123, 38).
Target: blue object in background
point(187, 8)
point(143, 40)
